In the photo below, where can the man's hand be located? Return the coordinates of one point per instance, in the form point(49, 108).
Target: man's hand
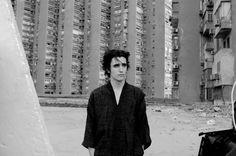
point(91, 151)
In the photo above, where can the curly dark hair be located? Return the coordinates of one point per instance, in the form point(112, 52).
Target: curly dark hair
point(109, 55)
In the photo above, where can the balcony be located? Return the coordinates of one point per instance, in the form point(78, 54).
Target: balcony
point(214, 77)
point(175, 83)
point(202, 63)
point(176, 43)
point(208, 28)
point(208, 63)
point(175, 30)
point(174, 21)
point(201, 27)
point(200, 13)
point(202, 83)
point(223, 28)
point(209, 46)
point(175, 67)
point(175, 47)
point(210, 3)
point(208, 6)
point(218, 4)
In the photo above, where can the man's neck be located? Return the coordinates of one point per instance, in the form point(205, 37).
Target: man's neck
point(117, 88)
point(117, 84)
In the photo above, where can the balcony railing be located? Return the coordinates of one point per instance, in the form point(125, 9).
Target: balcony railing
point(223, 28)
point(208, 27)
point(209, 46)
point(208, 6)
point(218, 4)
point(208, 63)
point(210, 3)
point(175, 83)
point(201, 27)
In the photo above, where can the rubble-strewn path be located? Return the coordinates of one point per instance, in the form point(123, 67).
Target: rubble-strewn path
point(174, 129)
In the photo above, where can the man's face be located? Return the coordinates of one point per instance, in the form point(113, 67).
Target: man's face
point(118, 69)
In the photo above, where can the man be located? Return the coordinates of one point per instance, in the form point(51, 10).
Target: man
point(116, 123)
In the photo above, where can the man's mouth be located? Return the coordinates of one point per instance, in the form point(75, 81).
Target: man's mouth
point(121, 74)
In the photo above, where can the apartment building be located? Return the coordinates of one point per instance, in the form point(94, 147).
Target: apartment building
point(155, 49)
point(168, 62)
point(52, 36)
point(46, 46)
point(219, 49)
point(37, 24)
point(117, 24)
point(185, 45)
point(25, 12)
point(71, 36)
point(168, 81)
point(96, 42)
point(207, 48)
point(174, 19)
point(70, 47)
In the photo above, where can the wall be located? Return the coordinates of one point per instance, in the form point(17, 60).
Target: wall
point(233, 32)
point(22, 128)
point(189, 57)
point(67, 47)
point(226, 60)
point(42, 40)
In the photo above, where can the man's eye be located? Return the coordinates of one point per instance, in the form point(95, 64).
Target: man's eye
point(116, 65)
point(124, 65)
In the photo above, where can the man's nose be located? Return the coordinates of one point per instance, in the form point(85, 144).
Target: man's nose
point(121, 68)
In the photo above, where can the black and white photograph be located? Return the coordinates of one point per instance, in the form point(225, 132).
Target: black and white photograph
point(117, 78)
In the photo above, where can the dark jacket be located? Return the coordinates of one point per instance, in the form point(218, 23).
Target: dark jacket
point(104, 116)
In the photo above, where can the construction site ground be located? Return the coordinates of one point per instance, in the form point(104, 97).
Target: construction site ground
point(174, 127)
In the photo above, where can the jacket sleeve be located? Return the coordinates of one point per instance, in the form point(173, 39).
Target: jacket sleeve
point(144, 131)
point(89, 140)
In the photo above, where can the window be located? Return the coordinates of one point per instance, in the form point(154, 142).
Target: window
point(175, 7)
point(217, 44)
point(226, 43)
point(210, 17)
point(175, 77)
point(218, 67)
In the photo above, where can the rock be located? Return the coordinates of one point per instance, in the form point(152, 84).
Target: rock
point(203, 115)
point(156, 109)
point(211, 122)
point(216, 109)
point(175, 117)
point(199, 110)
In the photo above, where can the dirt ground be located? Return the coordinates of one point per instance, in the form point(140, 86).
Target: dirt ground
point(174, 129)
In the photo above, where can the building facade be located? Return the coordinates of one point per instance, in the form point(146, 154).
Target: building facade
point(175, 46)
point(155, 49)
point(69, 38)
point(70, 47)
point(207, 48)
point(185, 57)
point(168, 81)
point(188, 51)
point(26, 13)
point(217, 53)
